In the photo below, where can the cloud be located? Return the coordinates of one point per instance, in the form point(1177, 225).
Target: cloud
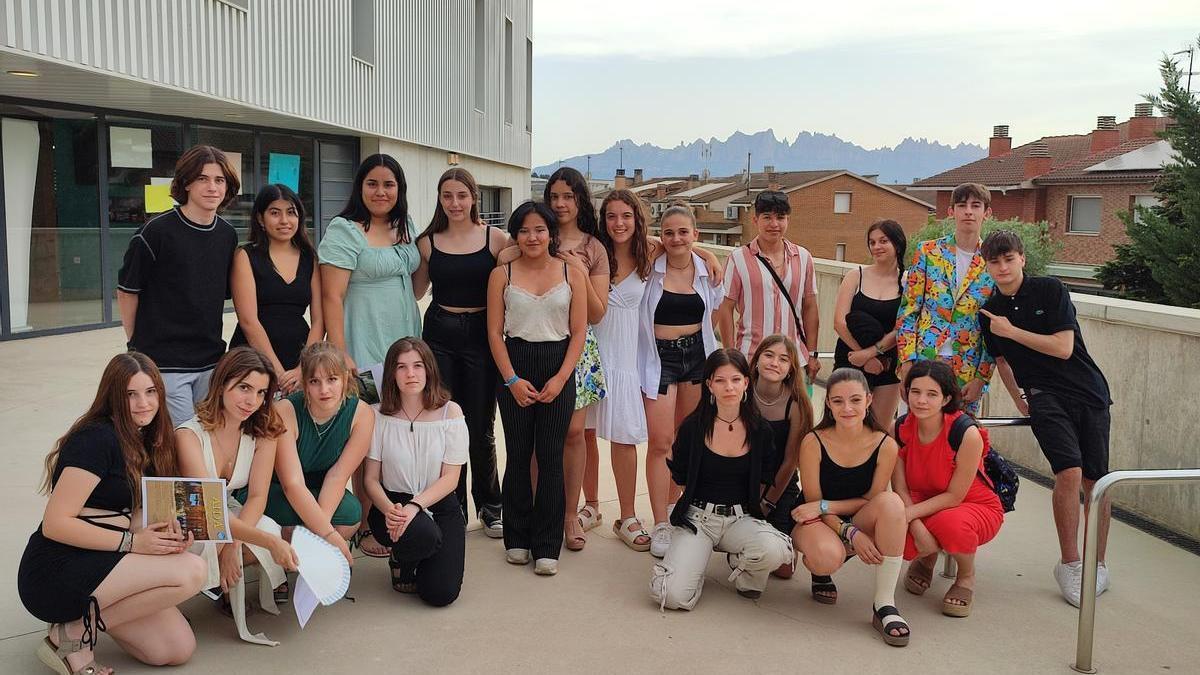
point(682, 29)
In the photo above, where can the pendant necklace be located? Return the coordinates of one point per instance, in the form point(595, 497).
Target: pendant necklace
point(729, 422)
point(411, 420)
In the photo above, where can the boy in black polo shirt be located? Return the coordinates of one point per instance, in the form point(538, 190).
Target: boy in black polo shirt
point(172, 287)
point(1030, 327)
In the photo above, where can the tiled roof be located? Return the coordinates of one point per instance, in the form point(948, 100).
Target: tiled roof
point(1074, 172)
point(1010, 169)
point(787, 180)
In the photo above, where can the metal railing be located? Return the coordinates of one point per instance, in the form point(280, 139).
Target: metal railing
point(1087, 596)
point(495, 218)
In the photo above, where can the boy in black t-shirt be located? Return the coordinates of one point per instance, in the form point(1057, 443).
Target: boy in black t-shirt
point(1030, 327)
point(172, 287)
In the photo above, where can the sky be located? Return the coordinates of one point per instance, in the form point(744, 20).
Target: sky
point(873, 73)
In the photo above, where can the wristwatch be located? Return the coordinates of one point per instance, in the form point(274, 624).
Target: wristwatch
point(824, 507)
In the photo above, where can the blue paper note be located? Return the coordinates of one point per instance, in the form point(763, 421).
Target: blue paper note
point(284, 169)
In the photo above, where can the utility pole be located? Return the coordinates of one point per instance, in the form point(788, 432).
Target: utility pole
point(589, 167)
point(747, 170)
point(621, 149)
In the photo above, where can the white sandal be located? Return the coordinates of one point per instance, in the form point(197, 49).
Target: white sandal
point(589, 517)
point(629, 536)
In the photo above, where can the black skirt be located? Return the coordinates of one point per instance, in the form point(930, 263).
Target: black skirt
point(55, 580)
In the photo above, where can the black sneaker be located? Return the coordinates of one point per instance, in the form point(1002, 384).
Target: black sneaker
point(493, 526)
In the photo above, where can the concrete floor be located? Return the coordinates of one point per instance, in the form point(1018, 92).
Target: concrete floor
point(596, 616)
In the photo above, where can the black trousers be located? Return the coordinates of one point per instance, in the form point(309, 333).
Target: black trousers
point(533, 518)
point(432, 551)
point(460, 345)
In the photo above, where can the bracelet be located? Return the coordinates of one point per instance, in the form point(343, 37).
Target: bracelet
point(126, 544)
point(851, 532)
point(878, 350)
point(511, 381)
point(842, 530)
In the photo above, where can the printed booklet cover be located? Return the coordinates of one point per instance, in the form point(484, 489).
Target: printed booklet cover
point(198, 504)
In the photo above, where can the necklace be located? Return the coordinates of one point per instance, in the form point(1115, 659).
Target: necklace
point(322, 428)
point(729, 422)
point(411, 420)
point(220, 447)
point(767, 403)
point(689, 264)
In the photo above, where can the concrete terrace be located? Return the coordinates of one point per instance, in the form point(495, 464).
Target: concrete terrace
point(595, 616)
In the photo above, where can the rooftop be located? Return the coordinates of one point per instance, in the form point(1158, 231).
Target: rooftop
point(596, 616)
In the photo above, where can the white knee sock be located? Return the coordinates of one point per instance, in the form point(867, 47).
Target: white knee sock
point(886, 575)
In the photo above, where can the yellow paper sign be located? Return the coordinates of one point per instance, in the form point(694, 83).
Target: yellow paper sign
point(158, 198)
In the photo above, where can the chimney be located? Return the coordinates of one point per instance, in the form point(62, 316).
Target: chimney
point(772, 178)
point(999, 144)
point(1038, 161)
point(693, 180)
point(637, 176)
point(619, 181)
point(1106, 135)
point(769, 168)
point(1143, 124)
point(660, 191)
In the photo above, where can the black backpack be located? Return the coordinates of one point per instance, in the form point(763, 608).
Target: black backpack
point(997, 473)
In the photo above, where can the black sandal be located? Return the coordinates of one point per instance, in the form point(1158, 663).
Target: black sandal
point(894, 621)
point(403, 581)
point(357, 540)
point(282, 593)
point(824, 590)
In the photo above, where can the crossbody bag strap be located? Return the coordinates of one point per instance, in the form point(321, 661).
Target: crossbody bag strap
point(786, 296)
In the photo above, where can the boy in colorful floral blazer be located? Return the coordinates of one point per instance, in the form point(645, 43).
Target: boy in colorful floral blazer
point(946, 285)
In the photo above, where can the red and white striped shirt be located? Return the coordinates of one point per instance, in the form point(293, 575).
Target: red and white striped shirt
point(760, 307)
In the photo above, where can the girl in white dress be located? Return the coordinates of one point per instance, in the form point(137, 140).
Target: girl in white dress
point(233, 436)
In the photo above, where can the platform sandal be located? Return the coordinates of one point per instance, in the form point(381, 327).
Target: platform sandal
point(56, 657)
point(633, 533)
point(824, 590)
point(887, 619)
point(919, 577)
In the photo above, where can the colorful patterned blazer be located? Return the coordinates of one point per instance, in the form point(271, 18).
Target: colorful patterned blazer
point(932, 312)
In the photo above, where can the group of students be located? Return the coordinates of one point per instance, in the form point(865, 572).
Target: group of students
point(576, 325)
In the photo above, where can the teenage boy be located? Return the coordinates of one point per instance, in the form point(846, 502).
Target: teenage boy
point(1030, 327)
point(771, 285)
point(172, 287)
point(945, 286)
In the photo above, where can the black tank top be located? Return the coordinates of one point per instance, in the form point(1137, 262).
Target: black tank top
point(883, 311)
point(780, 430)
point(679, 309)
point(723, 479)
point(461, 279)
point(842, 482)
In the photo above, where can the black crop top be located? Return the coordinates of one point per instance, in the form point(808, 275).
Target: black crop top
point(679, 309)
point(461, 279)
point(846, 482)
point(95, 449)
point(723, 480)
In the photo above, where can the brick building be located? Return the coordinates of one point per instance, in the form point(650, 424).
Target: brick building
point(1077, 183)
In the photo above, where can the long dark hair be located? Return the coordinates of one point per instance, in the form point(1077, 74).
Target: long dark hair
point(942, 374)
point(583, 197)
point(150, 447)
point(232, 368)
point(526, 209)
point(356, 209)
point(847, 375)
point(895, 234)
point(706, 410)
point(257, 237)
point(433, 397)
point(440, 221)
point(639, 244)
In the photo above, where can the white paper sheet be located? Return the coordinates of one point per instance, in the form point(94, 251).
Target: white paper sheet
point(304, 600)
point(130, 148)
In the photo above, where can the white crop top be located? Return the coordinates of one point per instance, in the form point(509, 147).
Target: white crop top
point(537, 318)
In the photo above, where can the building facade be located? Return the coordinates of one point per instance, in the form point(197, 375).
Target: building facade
point(99, 99)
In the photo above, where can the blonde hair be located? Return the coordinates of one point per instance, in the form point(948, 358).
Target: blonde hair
point(328, 357)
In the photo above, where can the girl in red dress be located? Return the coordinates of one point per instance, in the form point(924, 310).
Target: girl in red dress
point(949, 505)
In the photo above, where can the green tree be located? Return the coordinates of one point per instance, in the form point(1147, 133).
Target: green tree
point(1040, 247)
point(1161, 262)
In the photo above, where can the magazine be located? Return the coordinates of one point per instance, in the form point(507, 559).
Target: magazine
point(369, 381)
point(197, 504)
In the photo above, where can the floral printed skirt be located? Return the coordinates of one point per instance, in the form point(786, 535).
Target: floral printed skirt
point(589, 375)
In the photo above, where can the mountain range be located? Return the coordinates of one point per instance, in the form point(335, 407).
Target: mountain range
point(912, 159)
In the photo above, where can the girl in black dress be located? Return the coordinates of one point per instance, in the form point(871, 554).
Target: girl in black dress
point(864, 317)
point(90, 554)
point(274, 280)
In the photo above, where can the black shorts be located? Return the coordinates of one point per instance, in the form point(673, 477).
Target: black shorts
point(781, 517)
point(682, 360)
point(1070, 433)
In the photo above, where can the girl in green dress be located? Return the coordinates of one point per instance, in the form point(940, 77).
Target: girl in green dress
point(328, 432)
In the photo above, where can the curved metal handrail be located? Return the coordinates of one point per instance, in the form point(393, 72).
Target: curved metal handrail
point(1087, 596)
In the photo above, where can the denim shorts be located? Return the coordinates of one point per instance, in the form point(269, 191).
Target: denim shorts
point(682, 360)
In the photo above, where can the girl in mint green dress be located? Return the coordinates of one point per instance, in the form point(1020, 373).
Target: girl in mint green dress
point(370, 263)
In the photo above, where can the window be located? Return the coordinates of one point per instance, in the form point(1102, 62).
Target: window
point(480, 54)
point(1085, 215)
point(508, 71)
point(840, 252)
point(841, 202)
point(362, 30)
point(1142, 200)
point(528, 85)
point(731, 213)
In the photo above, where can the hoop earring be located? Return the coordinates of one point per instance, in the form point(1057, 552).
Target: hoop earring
point(712, 399)
point(745, 395)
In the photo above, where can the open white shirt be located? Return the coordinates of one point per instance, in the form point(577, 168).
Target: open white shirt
point(649, 365)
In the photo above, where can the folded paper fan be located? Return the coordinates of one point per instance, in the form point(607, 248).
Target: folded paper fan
point(322, 566)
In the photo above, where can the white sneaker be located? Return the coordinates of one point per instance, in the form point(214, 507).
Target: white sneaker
point(1101, 579)
point(1070, 579)
point(546, 567)
point(517, 556)
point(660, 540)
